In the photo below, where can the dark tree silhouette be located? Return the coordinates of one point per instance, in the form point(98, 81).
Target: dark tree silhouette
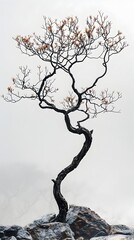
point(64, 45)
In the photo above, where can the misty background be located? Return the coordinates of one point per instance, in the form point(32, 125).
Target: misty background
point(35, 144)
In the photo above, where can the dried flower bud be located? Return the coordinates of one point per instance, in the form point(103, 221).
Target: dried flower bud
point(13, 79)
point(10, 89)
point(119, 33)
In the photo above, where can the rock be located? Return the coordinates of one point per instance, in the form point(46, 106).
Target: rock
point(14, 233)
point(118, 232)
point(9, 238)
point(11, 231)
point(23, 234)
point(1, 234)
point(2, 228)
point(86, 223)
point(53, 231)
point(121, 229)
point(44, 219)
point(114, 237)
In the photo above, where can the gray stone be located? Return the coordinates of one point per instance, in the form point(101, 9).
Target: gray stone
point(8, 238)
point(11, 231)
point(23, 234)
point(121, 229)
point(14, 233)
point(86, 223)
point(44, 219)
point(114, 237)
point(53, 231)
point(1, 234)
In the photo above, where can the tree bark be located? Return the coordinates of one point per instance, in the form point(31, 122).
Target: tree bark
point(61, 202)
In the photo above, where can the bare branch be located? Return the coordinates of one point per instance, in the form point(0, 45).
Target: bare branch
point(63, 45)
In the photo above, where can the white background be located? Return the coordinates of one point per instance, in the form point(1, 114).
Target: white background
point(35, 144)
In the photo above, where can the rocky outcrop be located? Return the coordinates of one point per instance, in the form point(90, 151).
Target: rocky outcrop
point(121, 229)
point(14, 232)
point(50, 231)
point(118, 232)
point(114, 237)
point(86, 223)
point(81, 224)
point(54, 231)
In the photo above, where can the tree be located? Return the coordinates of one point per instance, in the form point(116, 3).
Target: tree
point(63, 45)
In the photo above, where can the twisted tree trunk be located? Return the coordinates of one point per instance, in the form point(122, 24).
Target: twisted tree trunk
point(62, 203)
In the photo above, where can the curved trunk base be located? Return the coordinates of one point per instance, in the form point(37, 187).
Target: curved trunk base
point(62, 203)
